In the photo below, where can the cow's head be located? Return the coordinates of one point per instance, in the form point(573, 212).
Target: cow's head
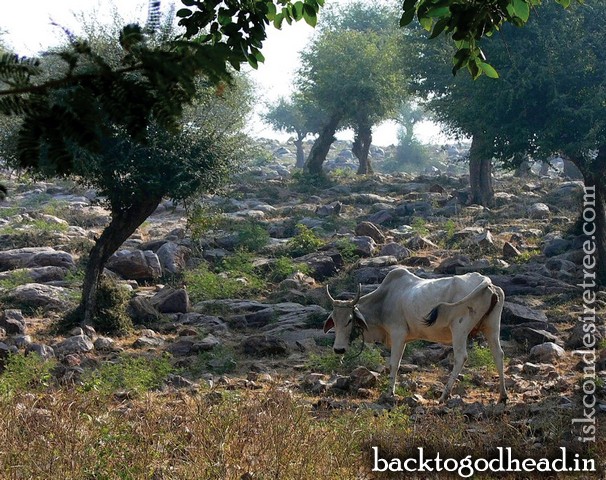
point(343, 318)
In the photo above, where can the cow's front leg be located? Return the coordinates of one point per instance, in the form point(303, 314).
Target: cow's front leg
point(459, 345)
point(397, 350)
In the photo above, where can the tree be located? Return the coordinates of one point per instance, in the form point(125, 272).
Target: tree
point(295, 116)
point(549, 100)
point(351, 71)
point(467, 22)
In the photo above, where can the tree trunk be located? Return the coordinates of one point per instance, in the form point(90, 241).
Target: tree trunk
point(361, 147)
point(300, 152)
point(321, 146)
point(480, 172)
point(122, 226)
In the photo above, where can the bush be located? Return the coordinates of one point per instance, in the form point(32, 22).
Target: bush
point(330, 363)
point(304, 242)
point(283, 267)
point(203, 284)
point(478, 357)
point(25, 374)
point(110, 315)
point(134, 374)
point(253, 237)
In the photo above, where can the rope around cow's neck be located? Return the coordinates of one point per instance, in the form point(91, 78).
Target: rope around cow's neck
point(356, 332)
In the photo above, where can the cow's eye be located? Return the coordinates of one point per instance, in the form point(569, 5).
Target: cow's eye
point(350, 320)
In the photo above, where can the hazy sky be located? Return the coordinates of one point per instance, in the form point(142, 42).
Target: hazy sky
point(30, 29)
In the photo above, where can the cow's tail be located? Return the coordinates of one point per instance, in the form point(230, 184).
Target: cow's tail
point(442, 308)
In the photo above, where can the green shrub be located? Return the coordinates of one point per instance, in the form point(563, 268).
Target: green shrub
point(110, 315)
point(134, 374)
point(330, 363)
point(479, 356)
point(419, 225)
point(283, 267)
point(203, 284)
point(252, 237)
point(14, 279)
point(219, 360)
point(25, 373)
point(201, 219)
point(304, 242)
point(348, 250)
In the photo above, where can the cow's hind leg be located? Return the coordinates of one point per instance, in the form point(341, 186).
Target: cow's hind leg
point(492, 333)
point(459, 346)
point(397, 350)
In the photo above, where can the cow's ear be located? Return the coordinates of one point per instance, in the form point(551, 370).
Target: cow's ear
point(329, 324)
point(359, 319)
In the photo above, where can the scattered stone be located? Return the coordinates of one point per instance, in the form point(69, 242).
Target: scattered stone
point(483, 240)
point(546, 352)
point(331, 210)
point(142, 311)
point(362, 377)
point(44, 351)
point(135, 264)
point(514, 314)
point(264, 345)
point(148, 342)
point(532, 336)
point(556, 246)
point(449, 265)
point(368, 229)
point(31, 257)
point(394, 249)
point(420, 243)
point(12, 322)
point(104, 344)
point(510, 251)
point(579, 337)
point(365, 246)
point(173, 257)
point(36, 295)
point(538, 211)
point(74, 345)
point(171, 300)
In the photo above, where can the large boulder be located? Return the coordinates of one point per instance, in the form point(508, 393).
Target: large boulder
point(368, 229)
point(514, 313)
point(173, 257)
point(38, 274)
point(538, 211)
point(135, 264)
point(12, 322)
point(171, 300)
point(35, 257)
point(264, 345)
point(35, 295)
point(74, 345)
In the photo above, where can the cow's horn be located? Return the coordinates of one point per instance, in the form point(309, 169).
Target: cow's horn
point(355, 300)
point(329, 295)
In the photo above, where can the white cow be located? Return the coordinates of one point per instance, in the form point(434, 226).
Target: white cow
point(406, 307)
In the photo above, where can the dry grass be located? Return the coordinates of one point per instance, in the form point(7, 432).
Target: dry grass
point(272, 434)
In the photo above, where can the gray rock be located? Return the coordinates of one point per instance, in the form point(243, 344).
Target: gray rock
point(362, 377)
point(44, 351)
point(579, 336)
point(532, 336)
point(264, 345)
point(514, 313)
point(420, 243)
point(483, 240)
point(546, 352)
point(141, 310)
point(538, 211)
point(449, 265)
point(395, 250)
point(104, 344)
point(34, 295)
point(173, 257)
point(510, 251)
point(35, 257)
point(382, 217)
point(378, 262)
point(554, 247)
point(74, 345)
point(135, 264)
point(322, 264)
point(148, 342)
point(365, 246)
point(170, 300)
point(331, 210)
point(12, 322)
point(38, 274)
point(368, 229)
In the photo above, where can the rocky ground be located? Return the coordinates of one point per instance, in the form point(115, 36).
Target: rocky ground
point(269, 245)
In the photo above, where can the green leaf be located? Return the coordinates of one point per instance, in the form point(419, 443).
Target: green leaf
point(438, 12)
point(488, 69)
point(188, 3)
point(522, 9)
point(183, 12)
point(309, 15)
point(298, 11)
point(279, 18)
point(426, 23)
point(407, 17)
point(409, 5)
point(564, 3)
point(438, 27)
point(271, 11)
